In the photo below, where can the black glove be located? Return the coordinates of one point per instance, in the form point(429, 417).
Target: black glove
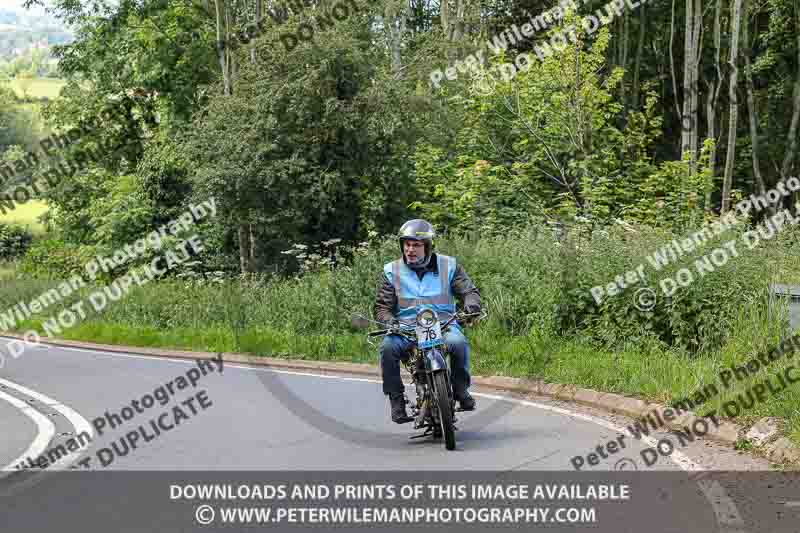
point(472, 309)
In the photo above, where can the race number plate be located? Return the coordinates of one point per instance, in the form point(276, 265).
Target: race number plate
point(429, 337)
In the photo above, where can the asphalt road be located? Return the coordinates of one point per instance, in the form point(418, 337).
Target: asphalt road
point(251, 425)
point(238, 418)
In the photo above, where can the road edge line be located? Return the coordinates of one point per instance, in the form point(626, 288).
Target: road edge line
point(45, 434)
point(79, 423)
point(726, 433)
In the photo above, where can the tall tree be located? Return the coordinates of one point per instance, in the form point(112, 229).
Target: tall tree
point(791, 135)
point(733, 113)
point(639, 54)
point(395, 15)
point(227, 14)
point(712, 98)
point(752, 112)
point(691, 63)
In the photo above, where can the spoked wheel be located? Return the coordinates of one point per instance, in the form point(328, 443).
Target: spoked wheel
point(445, 409)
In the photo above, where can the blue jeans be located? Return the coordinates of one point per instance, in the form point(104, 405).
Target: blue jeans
point(396, 348)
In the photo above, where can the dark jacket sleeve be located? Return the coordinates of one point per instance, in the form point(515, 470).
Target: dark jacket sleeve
point(464, 289)
point(385, 300)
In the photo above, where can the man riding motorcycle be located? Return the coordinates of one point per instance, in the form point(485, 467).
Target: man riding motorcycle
point(423, 277)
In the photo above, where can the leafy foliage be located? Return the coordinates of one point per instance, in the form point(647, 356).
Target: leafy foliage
point(552, 142)
point(14, 241)
point(311, 138)
point(50, 259)
point(552, 182)
point(15, 125)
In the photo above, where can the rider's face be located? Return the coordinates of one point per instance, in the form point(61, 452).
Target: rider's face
point(413, 250)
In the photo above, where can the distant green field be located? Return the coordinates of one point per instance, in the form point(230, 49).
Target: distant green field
point(38, 87)
point(26, 215)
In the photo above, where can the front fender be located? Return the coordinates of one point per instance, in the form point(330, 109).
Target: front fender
point(434, 360)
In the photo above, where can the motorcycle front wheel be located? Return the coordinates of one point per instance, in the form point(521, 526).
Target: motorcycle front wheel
point(445, 409)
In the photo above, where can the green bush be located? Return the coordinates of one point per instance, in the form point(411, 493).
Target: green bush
point(51, 258)
point(696, 318)
point(14, 240)
point(533, 285)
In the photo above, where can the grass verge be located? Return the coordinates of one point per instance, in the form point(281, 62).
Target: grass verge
point(649, 372)
point(543, 322)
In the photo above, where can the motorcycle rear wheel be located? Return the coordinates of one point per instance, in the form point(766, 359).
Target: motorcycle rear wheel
point(445, 409)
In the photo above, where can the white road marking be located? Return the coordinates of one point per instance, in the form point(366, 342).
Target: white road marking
point(792, 504)
point(724, 508)
point(682, 461)
point(80, 424)
point(46, 430)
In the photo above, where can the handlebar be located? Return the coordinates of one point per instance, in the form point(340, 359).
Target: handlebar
point(386, 331)
point(400, 331)
point(461, 316)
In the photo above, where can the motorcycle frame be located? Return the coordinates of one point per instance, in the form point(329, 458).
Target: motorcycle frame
point(430, 364)
point(433, 360)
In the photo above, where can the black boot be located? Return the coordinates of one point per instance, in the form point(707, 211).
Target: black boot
point(466, 402)
point(399, 414)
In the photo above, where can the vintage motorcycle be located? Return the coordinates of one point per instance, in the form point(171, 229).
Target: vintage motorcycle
point(434, 410)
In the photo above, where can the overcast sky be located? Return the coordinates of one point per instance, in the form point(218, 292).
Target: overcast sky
point(16, 5)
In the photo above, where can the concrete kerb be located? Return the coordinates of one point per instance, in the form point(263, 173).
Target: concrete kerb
point(566, 392)
point(506, 383)
point(586, 396)
point(726, 432)
point(631, 406)
point(608, 401)
point(781, 450)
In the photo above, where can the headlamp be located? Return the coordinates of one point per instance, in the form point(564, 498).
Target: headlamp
point(426, 318)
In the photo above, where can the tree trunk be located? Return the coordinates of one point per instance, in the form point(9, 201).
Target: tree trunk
point(244, 247)
point(791, 139)
point(458, 23)
point(697, 49)
point(733, 111)
point(583, 135)
point(711, 125)
point(223, 47)
point(253, 249)
point(713, 97)
point(623, 56)
point(688, 39)
point(258, 16)
point(691, 62)
point(751, 106)
point(452, 20)
point(253, 242)
point(672, 62)
point(639, 52)
point(226, 62)
point(395, 21)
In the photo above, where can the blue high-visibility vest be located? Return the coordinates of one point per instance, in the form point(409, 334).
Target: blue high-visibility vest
point(432, 291)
